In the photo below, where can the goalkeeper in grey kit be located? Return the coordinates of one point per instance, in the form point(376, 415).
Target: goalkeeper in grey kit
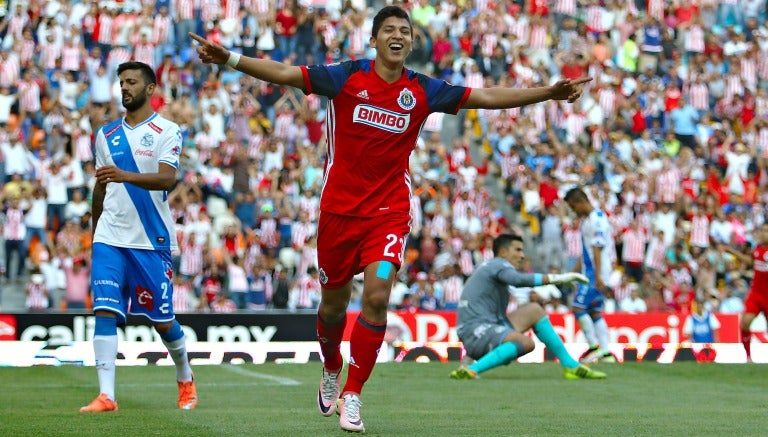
point(495, 338)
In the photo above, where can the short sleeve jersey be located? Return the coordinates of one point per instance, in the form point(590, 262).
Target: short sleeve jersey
point(372, 128)
point(134, 217)
point(596, 232)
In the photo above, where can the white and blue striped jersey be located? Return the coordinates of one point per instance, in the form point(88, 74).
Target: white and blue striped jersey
point(134, 217)
point(596, 232)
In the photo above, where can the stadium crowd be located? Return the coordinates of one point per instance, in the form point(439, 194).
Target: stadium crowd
point(671, 138)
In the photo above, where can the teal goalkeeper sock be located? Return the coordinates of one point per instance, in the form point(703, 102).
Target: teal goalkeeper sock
point(501, 354)
point(546, 333)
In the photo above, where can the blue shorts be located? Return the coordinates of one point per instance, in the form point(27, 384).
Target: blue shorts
point(134, 281)
point(588, 298)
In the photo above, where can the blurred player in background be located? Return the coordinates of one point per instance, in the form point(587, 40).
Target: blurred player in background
point(756, 301)
point(136, 162)
point(376, 111)
point(495, 338)
point(596, 264)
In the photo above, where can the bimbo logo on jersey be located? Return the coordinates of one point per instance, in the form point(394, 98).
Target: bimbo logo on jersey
point(381, 118)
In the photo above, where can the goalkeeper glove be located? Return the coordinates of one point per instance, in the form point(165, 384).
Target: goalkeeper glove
point(566, 278)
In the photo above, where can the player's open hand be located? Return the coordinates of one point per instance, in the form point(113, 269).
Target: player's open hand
point(109, 173)
point(567, 278)
point(210, 53)
point(568, 89)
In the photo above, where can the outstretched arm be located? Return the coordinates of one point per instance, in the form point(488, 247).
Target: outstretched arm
point(263, 69)
point(512, 277)
point(500, 98)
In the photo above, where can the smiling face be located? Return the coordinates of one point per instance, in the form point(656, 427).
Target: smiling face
point(393, 38)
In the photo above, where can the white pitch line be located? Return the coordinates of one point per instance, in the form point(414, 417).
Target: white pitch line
point(277, 379)
point(130, 385)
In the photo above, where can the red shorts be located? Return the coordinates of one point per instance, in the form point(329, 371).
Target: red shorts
point(346, 245)
point(756, 302)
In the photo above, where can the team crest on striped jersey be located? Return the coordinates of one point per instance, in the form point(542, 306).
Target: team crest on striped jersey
point(148, 140)
point(406, 100)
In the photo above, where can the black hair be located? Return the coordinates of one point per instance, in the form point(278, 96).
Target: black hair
point(503, 241)
point(576, 195)
point(386, 12)
point(147, 73)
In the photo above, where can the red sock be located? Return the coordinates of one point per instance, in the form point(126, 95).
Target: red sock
point(329, 337)
point(746, 340)
point(364, 349)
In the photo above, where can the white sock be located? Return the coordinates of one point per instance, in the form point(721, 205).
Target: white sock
point(601, 329)
point(178, 351)
point(588, 328)
point(105, 350)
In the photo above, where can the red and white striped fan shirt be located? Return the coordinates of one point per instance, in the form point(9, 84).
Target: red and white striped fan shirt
point(106, 35)
point(185, 9)
point(269, 234)
point(694, 39)
point(262, 7)
point(311, 205)
point(573, 243)
point(232, 9)
point(283, 124)
point(307, 258)
point(698, 94)
point(466, 262)
point(566, 7)
point(14, 228)
point(161, 29)
point(49, 54)
point(438, 226)
point(37, 296)
point(27, 51)
point(733, 86)
point(595, 18)
point(621, 292)
point(607, 99)
point(699, 231)
point(71, 56)
point(191, 263)
point(655, 9)
point(226, 306)
point(749, 73)
point(210, 10)
point(118, 55)
point(452, 288)
point(181, 301)
point(434, 122)
point(10, 70)
point(29, 96)
point(145, 53)
point(539, 34)
point(633, 249)
point(656, 254)
point(300, 233)
point(668, 185)
point(356, 41)
point(474, 80)
point(307, 291)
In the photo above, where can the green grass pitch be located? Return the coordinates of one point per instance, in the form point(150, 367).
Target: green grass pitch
point(401, 399)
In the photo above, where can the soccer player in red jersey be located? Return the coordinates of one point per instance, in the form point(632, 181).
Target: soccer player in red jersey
point(757, 298)
point(375, 113)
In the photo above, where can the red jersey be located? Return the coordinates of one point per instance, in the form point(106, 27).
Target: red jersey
point(760, 280)
point(372, 128)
